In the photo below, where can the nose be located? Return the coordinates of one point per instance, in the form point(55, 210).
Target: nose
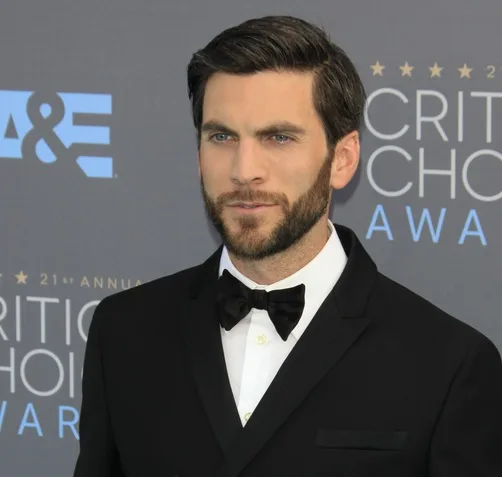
point(249, 165)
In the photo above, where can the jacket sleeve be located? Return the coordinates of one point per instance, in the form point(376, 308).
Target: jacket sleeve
point(98, 455)
point(467, 441)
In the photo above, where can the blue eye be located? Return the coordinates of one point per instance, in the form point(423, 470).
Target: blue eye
point(219, 137)
point(281, 138)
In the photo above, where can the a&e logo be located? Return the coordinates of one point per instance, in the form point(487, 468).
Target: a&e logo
point(71, 128)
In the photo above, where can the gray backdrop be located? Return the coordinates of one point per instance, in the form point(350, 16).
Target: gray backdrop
point(99, 188)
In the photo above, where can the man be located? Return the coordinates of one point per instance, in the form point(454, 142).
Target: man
point(286, 353)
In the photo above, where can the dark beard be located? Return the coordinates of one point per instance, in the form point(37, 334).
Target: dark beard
point(299, 218)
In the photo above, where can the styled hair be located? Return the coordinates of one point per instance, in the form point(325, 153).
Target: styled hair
point(284, 43)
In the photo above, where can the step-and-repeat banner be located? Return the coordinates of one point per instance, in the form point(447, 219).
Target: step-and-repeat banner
point(99, 189)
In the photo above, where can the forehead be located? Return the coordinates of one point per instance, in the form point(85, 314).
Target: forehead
point(260, 97)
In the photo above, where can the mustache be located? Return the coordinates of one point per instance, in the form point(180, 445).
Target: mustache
point(248, 195)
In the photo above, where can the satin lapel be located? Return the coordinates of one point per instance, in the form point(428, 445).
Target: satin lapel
point(335, 328)
point(203, 338)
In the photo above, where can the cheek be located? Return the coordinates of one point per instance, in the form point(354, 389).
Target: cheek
point(296, 181)
point(213, 175)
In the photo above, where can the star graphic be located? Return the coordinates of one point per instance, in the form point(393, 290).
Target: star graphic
point(377, 69)
point(406, 69)
point(465, 71)
point(21, 278)
point(435, 70)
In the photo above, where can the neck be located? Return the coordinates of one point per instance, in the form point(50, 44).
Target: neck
point(281, 265)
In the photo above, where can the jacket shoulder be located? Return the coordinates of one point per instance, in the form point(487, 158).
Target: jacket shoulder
point(177, 282)
point(147, 298)
point(420, 319)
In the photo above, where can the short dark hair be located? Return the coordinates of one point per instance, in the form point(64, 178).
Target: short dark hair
point(284, 43)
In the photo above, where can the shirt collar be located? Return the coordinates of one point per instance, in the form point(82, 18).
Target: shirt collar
point(319, 276)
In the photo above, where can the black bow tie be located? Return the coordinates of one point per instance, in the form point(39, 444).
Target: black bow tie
point(234, 301)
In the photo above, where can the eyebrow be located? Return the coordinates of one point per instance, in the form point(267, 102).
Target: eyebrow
point(282, 127)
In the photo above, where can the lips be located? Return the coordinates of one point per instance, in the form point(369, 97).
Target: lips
point(249, 208)
point(249, 205)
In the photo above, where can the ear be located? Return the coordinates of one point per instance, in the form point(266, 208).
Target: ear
point(346, 160)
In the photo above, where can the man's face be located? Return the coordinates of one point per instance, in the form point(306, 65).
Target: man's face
point(264, 163)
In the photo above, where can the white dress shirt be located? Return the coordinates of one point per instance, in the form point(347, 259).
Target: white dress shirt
point(253, 349)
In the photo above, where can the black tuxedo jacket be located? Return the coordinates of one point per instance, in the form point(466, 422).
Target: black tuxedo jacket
point(381, 383)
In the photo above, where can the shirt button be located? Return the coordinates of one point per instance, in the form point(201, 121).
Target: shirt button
point(247, 416)
point(261, 339)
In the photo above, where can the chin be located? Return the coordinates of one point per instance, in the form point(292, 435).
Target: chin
point(247, 249)
point(250, 239)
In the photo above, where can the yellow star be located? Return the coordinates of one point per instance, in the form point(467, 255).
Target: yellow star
point(435, 70)
point(406, 69)
point(465, 71)
point(21, 278)
point(377, 69)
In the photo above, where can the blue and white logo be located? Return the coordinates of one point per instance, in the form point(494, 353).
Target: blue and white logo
point(64, 127)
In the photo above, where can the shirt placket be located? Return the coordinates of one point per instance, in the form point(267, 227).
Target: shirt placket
point(257, 359)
